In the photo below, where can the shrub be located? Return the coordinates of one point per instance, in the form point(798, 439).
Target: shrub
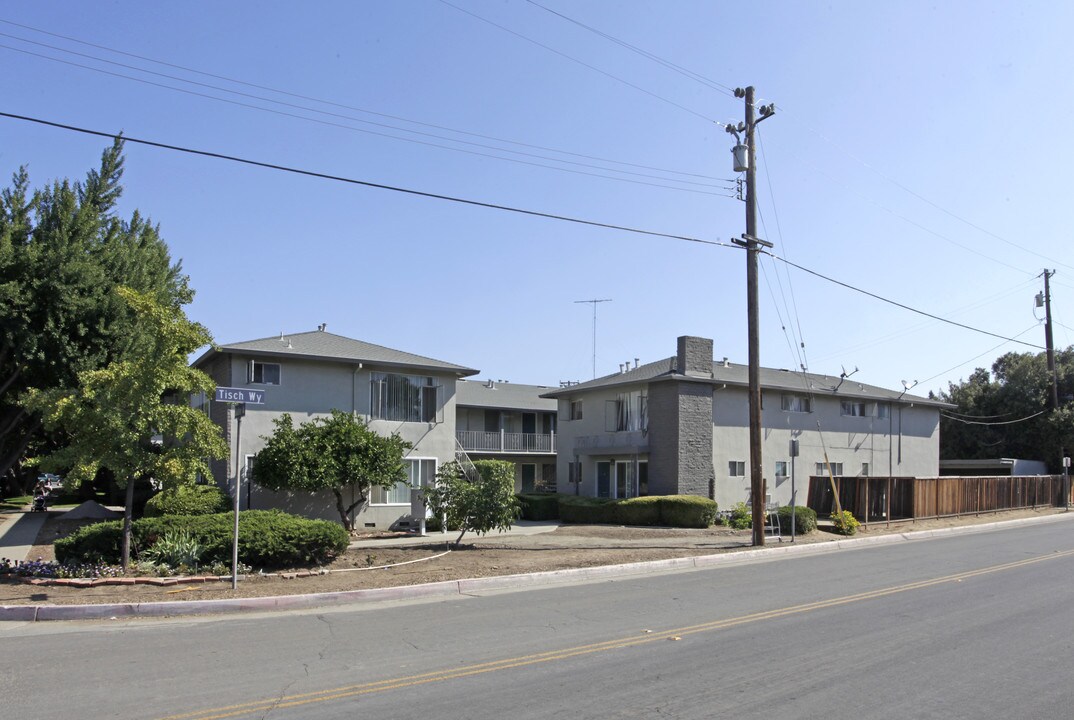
point(187, 500)
point(539, 507)
point(267, 538)
point(688, 511)
point(671, 510)
point(588, 510)
point(175, 549)
point(805, 519)
point(741, 517)
point(844, 523)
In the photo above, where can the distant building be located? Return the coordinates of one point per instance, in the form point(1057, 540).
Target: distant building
point(681, 426)
point(993, 466)
point(496, 420)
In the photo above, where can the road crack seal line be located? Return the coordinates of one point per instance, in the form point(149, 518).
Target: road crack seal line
point(255, 706)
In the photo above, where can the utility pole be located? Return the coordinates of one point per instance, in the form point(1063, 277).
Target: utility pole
point(751, 242)
point(594, 304)
point(1048, 338)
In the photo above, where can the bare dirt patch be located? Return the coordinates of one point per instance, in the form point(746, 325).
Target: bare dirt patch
point(568, 546)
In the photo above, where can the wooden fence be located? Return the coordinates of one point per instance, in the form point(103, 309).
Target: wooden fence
point(888, 499)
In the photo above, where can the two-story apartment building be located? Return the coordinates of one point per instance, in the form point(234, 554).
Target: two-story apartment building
point(512, 422)
point(310, 374)
point(681, 426)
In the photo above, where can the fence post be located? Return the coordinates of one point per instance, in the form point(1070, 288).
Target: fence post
point(866, 503)
point(887, 510)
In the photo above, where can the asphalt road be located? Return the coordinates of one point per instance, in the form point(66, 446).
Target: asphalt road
point(973, 626)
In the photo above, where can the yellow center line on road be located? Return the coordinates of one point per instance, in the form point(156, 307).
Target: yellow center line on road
point(297, 700)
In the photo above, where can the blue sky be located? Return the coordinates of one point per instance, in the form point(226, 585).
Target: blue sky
point(920, 151)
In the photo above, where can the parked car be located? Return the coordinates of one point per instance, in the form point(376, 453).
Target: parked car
point(53, 483)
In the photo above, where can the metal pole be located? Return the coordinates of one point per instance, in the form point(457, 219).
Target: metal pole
point(594, 304)
point(239, 411)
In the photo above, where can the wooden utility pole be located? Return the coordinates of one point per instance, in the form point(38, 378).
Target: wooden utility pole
point(1048, 339)
point(751, 242)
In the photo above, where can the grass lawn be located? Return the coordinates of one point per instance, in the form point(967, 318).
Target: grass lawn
point(14, 504)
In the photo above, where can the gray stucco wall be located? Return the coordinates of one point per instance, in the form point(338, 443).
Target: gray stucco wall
point(309, 390)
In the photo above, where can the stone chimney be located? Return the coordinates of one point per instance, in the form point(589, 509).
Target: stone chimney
point(694, 358)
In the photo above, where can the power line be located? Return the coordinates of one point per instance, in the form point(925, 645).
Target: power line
point(1008, 422)
point(583, 64)
point(899, 304)
point(364, 183)
point(383, 134)
point(331, 103)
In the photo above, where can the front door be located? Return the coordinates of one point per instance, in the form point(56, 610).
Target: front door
point(529, 423)
point(604, 479)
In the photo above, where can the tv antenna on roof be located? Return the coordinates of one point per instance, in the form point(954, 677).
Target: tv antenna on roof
point(594, 304)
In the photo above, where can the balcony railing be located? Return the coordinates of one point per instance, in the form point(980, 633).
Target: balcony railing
point(507, 442)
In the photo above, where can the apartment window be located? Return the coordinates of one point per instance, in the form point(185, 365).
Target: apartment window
point(782, 468)
point(883, 410)
point(797, 403)
point(262, 373)
point(865, 469)
point(405, 398)
point(628, 412)
point(576, 410)
point(421, 472)
point(837, 469)
point(736, 468)
point(852, 409)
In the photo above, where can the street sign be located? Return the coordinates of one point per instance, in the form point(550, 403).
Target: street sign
point(240, 395)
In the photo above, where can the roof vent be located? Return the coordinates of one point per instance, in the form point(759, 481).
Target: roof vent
point(636, 363)
point(725, 363)
point(321, 327)
point(490, 384)
point(290, 346)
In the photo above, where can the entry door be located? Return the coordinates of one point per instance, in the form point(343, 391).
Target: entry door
point(529, 423)
point(604, 479)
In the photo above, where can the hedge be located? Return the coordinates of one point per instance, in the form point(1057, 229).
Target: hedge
point(539, 507)
point(805, 519)
point(187, 500)
point(267, 538)
point(689, 511)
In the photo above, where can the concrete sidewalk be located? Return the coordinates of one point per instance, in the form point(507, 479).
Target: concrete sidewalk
point(18, 533)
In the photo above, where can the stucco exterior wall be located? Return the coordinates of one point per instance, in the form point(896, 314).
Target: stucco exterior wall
point(308, 390)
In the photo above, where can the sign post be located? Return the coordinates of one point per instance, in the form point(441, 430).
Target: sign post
point(238, 398)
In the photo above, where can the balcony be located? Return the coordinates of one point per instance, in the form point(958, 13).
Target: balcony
point(612, 443)
point(507, 442)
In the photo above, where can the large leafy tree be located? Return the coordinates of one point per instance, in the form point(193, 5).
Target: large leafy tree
point(338, 453)
point(1006, 412)
point(133, 416)
point(63, 250)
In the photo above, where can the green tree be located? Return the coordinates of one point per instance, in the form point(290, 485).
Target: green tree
point(480, 504)
point(1006, 413)
point(63, 250)
point(339, 454)
point(132, 416)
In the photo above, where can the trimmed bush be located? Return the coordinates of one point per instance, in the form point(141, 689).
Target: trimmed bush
point(671, 510)
point(267, 538)
point(805, 519)
point(539, 507)
point(187, 500)
point(687, 511)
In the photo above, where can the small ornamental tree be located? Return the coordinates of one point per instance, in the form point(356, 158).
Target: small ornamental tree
point(480, 505)
point(339, 454)
point(131, 416)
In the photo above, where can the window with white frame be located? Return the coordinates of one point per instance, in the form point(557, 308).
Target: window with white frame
point(796, 403)
point(262, 373)
point(421, 472)
point(736, 468)
point(782, 468)
point(576, 410)
point(883, 410)
point(837, 469)
point(405, 398)
point(852, 408)
point(628, 412)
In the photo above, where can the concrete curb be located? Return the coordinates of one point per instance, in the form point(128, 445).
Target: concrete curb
point(449, 588)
